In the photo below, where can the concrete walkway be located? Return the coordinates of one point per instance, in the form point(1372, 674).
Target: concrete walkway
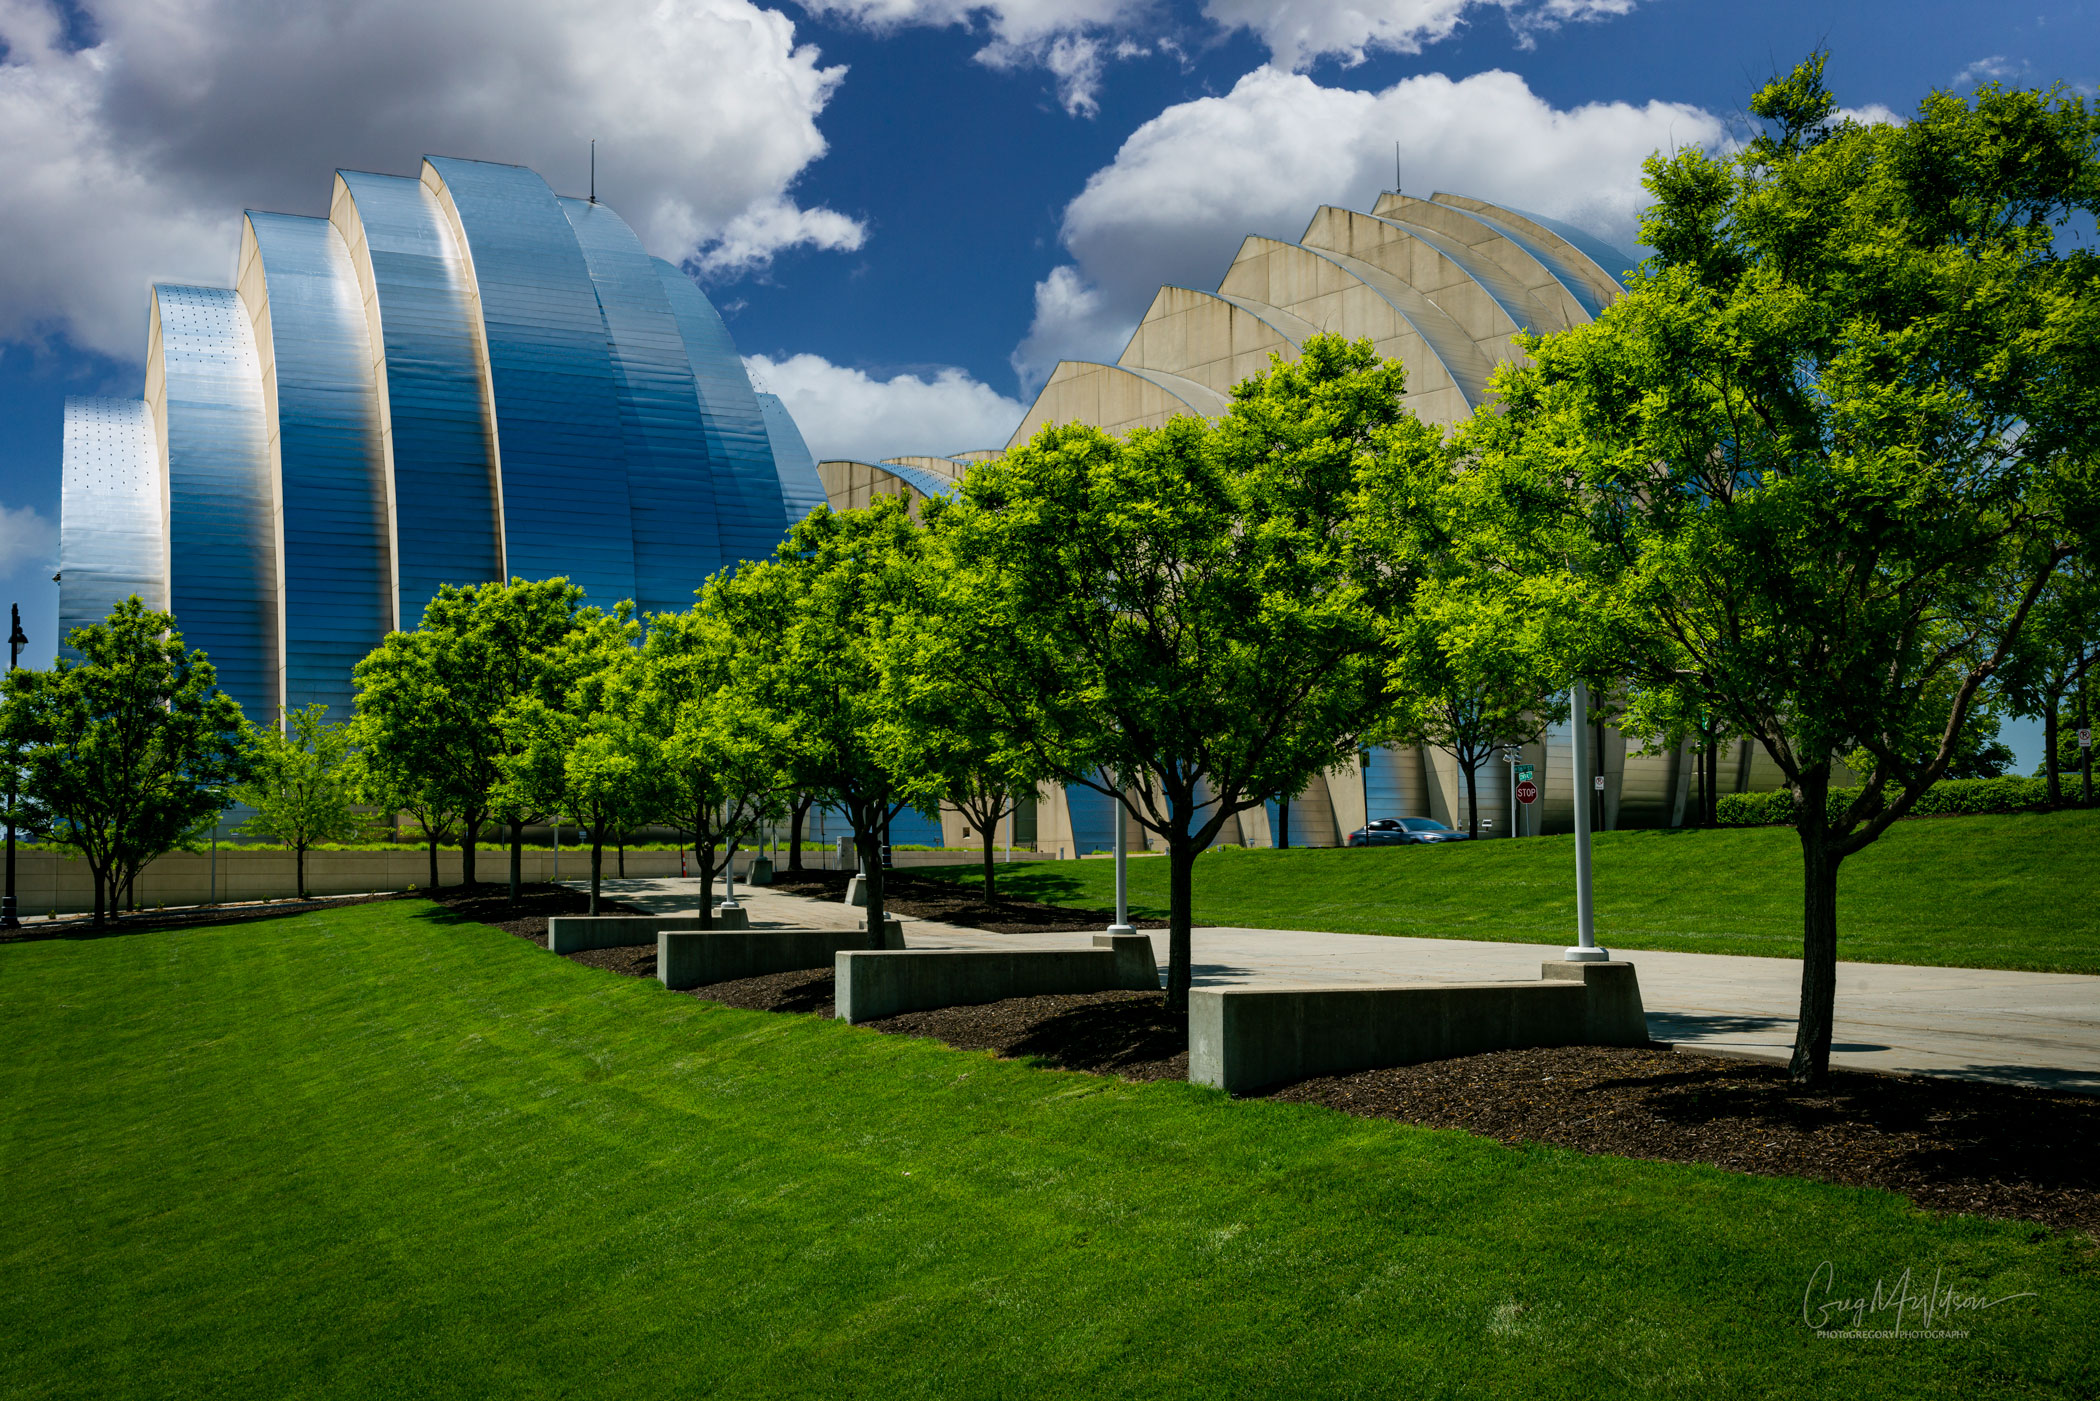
point(2029, 1028)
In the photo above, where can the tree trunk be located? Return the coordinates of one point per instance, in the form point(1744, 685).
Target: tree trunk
point(878, 918)
point(100, 884)
point(517, 856)
point(621, 848)
point(433, 860)
point(705, 856)
point(597, 864)
point(299, 867)
point(1819, 872)
point(1181, 885)
point(1472, 772)
point(1283, 823)
point(1713, 780)
point(797, 810)
point(2052, 785)
point(1596, 793)
point(470, 832)
point(991, 878)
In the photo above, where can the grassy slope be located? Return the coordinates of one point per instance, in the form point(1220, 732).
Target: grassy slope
point(368, 1153)
point(1973, 892)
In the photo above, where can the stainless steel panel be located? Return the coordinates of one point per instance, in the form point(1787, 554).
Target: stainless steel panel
point(801, 489)
point(111, 541)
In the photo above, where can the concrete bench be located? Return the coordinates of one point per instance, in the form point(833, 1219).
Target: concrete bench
point(691, 958)
point(872, 985)
point(1244, 1039)
point(574, 933)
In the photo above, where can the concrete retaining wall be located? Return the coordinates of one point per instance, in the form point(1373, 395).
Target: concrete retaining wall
point(46, 881)
point(695, 958)
point(1244, 1039)
point(884, 984)
point(574, 933)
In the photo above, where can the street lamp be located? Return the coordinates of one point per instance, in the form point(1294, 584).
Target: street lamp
point(1122, 924)
point(9, 919)
point(1585, 949)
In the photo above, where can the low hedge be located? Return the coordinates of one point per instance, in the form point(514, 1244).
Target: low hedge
point(1955, 797)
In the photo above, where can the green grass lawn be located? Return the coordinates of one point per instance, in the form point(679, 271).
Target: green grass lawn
point(1970, 892)
point(375, 1152)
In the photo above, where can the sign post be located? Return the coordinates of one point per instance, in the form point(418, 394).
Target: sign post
point(1585, 949)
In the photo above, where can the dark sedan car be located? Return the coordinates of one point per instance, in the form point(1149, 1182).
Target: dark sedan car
point(1405, 831)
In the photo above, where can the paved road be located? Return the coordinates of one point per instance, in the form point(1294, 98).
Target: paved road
point(2030, 1028)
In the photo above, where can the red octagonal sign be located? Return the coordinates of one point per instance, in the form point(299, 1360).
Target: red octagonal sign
point(1527, 792)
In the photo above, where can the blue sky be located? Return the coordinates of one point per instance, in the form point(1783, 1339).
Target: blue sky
point(909, 209)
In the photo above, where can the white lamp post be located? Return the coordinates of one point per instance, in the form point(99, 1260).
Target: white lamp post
point(1585, 950)
point(1122, 924)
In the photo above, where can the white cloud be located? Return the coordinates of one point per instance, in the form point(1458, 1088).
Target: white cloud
point(131, 159)
point(1873, 114)
point(1189, 184)
point(844, 412)
point(1074, 38)
point(1995, 69)
point(29, 538)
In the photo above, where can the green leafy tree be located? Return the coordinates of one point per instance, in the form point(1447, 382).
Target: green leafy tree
point(431, 702)
point(2054, 656)
point(583, 754)
point(814, 623)
point(722, 757)
point(394, 764)
point(129, 751)
point(1818, 466)
point(1187, 620)
point(302, 786)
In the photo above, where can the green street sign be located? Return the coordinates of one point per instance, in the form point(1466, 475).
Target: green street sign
point(1523, 773)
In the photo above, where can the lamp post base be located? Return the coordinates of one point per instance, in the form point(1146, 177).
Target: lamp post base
point(1590, 954)
point(1120, 929)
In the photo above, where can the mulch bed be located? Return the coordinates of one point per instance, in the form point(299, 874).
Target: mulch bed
point(1949, 1145)
point(526, 917)
point(2002, 1151)
point(964, 905)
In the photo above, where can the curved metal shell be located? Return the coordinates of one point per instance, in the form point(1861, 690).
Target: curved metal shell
point(749, 511)
point(113, 504)
point(670, 491)
point(204, 383)
point(801, 489)
point(321, 413)
point(552, 388)
point(436, 437)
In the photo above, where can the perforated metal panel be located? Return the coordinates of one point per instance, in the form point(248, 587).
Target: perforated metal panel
point(111, 543)
point(338, 571)
point(222, 503)
point(561, 456)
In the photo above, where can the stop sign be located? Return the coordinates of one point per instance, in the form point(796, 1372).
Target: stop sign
point(1527, 792)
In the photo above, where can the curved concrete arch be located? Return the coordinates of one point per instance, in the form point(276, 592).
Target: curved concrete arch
point(1488, 247)
point(1421, 267)
point(677, 538)
point(321, 414)
point(552, 386)
point(1447, 376)
point(1576, 267)
point(436, 435)
point(939, 466)
point(1211, 339)
point(1114, 398)
point(750, 497)
point(204, 389)
point(969, 455)
point(850, 484)
point(113, 543)
point(801, 489)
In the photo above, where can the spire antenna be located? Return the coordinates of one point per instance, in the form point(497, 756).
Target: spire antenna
point(594, 167)
point(1396, 167)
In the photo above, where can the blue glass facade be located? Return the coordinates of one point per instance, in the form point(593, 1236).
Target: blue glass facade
point(450, 379)
point(439, 443)
point(302, 297)
point(222, 502)
point(110, 496)
point(561, 455)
